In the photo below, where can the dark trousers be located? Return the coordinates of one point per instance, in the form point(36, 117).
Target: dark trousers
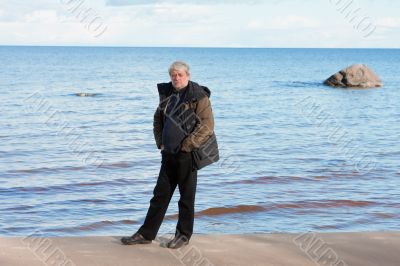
point(176, 170)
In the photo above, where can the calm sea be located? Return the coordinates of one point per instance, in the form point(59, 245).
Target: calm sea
point(295, 155)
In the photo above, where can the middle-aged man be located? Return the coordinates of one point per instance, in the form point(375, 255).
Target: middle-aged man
point(183, 122)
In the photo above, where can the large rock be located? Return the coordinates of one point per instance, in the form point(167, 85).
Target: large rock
point(354, 76)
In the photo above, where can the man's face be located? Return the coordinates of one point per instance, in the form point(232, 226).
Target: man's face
point(179, 78)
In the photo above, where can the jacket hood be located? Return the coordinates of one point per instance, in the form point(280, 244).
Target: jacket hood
point(195, 91)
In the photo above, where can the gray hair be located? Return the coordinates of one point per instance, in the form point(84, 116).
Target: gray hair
point(179, 65)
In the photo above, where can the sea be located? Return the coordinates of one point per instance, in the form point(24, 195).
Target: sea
point(78, 156)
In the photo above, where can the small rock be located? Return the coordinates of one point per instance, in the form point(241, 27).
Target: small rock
point(85, 94)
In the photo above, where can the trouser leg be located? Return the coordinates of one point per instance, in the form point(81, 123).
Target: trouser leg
point(187, 182)
point(162, 195)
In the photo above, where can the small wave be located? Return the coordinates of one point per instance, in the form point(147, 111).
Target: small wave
point(298, 84)
point(89, 184)
point(19, 208)
point(46, 170)
point(116, 165)
point(316, 174)
point(323, 204)
point(115, 182)
point(223, 210)
point(96, 201)
point(18, 229)
point(216, 211)
point(326, 227)
point(40, 170)
point(384, 215)
point(70, 186)
point(270, 180)
point(320, 177)
point(229, 210)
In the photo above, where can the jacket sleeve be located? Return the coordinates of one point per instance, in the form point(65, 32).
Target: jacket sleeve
point(204, 127)
point(158, 126)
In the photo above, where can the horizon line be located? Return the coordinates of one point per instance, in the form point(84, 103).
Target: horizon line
point(186, 47)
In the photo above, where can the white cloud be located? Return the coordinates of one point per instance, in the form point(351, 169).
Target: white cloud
point(42, 16)
point(388, 22)
point(128, 2)
point(263, 23)
point(285, 22)
point(181, 13)
point(188, 2)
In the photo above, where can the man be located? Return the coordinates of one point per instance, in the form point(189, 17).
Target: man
point(183, 122)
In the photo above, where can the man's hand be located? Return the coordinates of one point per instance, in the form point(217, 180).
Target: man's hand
point(162, 147)
point(185, 148)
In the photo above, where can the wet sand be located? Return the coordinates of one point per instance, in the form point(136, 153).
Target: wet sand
point(339, 249)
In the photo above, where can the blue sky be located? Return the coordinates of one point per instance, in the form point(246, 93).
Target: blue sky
point(217, 23)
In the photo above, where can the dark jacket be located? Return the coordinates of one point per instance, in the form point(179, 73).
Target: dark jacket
point(198, 125)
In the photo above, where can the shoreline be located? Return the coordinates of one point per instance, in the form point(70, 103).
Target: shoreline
point(339, 249)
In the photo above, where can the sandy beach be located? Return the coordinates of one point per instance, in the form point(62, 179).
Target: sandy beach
point(352, 249)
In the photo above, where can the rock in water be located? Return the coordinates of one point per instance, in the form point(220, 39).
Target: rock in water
point(354, 76)
point(85, 94)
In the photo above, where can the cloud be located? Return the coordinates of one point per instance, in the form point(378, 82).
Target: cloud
point(388, 22)
point(221, 23)
point(181, 14)
point(188, 2)
point(16, 11)
point(130, 2)
point(42, 16)
point(286, 22)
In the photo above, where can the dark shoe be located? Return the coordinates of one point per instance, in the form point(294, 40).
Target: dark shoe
point(178, 242)
point(135, 239)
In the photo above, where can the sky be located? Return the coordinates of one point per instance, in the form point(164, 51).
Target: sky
point(207, 23)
